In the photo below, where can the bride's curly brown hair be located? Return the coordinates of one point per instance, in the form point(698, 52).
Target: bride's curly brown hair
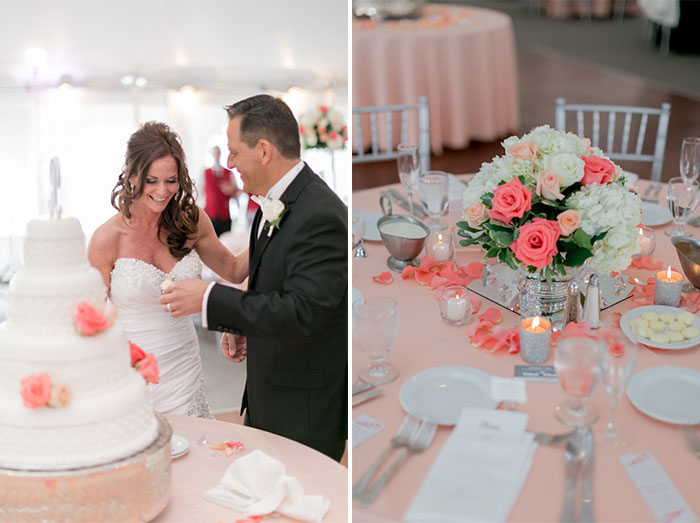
point(155, 140)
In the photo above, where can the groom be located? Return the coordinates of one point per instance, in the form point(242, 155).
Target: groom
point(294, 313)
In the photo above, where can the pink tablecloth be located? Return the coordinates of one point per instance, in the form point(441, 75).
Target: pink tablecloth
point(201, 469)
point(425, 341)
point(462, 59)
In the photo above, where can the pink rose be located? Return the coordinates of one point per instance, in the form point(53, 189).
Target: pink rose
point(537, 242)
point(523, 151)
point(548, 185)
point(569, 221)
point(36, 390)
point(60, 396)
point(148, 367)
point(597, 170)
point(510, 200)
point(89, 320)
point(476, 214)
point(136, 353)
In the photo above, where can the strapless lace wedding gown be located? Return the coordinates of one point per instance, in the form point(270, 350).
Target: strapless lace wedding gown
point(135, 290)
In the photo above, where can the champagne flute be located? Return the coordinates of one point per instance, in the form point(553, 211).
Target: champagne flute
point(375, 327)
point(432, 190)
point(408, 169)
point(682, 197)
point(618, 362)
point(690, 158)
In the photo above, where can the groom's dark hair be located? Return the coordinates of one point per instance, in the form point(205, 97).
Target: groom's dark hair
point(264, 116)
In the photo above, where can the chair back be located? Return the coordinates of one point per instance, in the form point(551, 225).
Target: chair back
point(380, 124)
point(625, 136)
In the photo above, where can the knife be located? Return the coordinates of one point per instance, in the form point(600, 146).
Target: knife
point(356, 389)
point(364, 396)
point(587, 515)
point(573, 466)
point(399, 198)
point(692, 438)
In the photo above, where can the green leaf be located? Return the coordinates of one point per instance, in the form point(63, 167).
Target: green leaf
point(493, 226)
point(486, 199)
point(502, 238)
point(599, 237)
point(511, 260)
point(582, 239)
point(463, 225)
point(572, 189)
point(576, 256)
point(492, 252)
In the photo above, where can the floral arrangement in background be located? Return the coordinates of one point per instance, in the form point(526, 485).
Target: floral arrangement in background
point(323, 128)
point(550, 203)
point(37, 391)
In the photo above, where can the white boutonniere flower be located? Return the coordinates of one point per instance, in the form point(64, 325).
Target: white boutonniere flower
point(273, 211)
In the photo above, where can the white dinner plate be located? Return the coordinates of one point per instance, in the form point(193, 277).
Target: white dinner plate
point(654, 214)
point(668, 394)
point(658, 309)
point(357, 295)
point(440, 394)
point(179, 446)
point(370, 218)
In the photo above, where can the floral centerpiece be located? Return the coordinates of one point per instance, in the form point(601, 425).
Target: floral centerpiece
point(323, 128)
point(551, 203)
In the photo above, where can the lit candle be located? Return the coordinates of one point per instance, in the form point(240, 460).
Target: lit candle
point(455, 304)
point(647, 242)
point(456, 307)
point(535, 335)
point(667, 290)
point(439, 248)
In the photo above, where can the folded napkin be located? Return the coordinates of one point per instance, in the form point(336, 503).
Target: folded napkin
point(475, 477)
point(256, 484)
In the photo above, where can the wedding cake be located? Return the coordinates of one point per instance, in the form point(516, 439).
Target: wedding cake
point(69, 397)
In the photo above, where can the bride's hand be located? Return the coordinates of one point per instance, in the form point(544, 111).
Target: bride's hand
point(234, 347)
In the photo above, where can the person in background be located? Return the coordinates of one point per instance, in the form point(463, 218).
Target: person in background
point(219, 188)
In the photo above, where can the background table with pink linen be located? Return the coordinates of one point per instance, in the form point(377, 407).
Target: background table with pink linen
point(425, 341)
point(462, 59)
point(201, 469)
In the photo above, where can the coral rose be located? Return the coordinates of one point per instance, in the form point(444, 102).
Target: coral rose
point(597, 170)
point(148, 367)
point(476, 214)
point(510, 200)
point(60, 396)
point(89, 320)
point(523, 151)
point(36, 390)
point(537, 242)
point(569, 221)
point(136, 353)
point(548, 185)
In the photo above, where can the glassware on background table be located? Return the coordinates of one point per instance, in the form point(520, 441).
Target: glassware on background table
point(577, 363)
point(690, 158)
point(409, 168)
point(432, 190)
point(358, 237)
point(618, 361)
point(682, 199)
point(375, 327)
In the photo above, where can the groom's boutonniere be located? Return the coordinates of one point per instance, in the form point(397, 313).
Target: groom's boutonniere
point(273, 211)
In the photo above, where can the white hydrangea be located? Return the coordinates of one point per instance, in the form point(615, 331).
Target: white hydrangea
point(491, 174)
point(614, 252)
point(568, 165)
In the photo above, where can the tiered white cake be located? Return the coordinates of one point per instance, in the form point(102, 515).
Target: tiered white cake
point(108, 416)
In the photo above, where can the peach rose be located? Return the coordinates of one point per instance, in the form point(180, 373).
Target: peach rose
point(476, 214)
point(36, 390)
point(587, 144)
point(537, 242)
point(136, 353)
point(148, 367)
point(523, 151)
point(89, 320)
point(597, 170)
point(510, 200)
point(60, 396)
point(569, 221)
point(548, 184)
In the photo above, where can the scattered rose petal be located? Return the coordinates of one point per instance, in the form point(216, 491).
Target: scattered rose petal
point(384, 278)
point(438, 281)
point(408, 272)
point(476, 303)
point(493, 315)
point(617, 349)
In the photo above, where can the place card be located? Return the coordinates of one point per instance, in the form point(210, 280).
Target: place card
point(656, 488)
point(364, 427)
point(489, 424)
point(508, 389)
point(536, 373)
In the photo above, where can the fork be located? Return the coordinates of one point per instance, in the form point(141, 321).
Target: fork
point(552, 439)
point(400, 439)
point(418, 442)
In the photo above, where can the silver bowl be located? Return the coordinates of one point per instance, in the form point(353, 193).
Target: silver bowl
point(688, 250)
point(403, 249)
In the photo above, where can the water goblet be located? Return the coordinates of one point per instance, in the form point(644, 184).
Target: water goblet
point(358, 237)
point(375, 327)
point(682, 197)
point(407, 162)
point(617, 362)
point(690, 158)
point(432, 190)
point(577, 363)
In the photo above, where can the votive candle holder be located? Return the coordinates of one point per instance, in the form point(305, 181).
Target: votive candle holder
point(535, 336)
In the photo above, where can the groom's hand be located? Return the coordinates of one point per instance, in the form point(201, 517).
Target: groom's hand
point(234, 347)
point(184, 298)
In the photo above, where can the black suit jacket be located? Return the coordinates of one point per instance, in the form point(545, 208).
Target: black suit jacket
point(294, 316)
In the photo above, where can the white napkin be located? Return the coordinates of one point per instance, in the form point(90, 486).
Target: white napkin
point(256, 484)
point(473, 478)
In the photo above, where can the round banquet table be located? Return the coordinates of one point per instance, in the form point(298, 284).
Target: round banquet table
point(462, 59)
point(201, 469)
point(425, 341)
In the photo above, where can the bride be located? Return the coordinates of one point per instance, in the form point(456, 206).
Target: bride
point(159, 234)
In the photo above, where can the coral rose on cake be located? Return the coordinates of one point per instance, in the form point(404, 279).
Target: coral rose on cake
point(510, 200)
point(36, 390)
point(89, 320)
point(537, 242)
point(136, 352)
point(597, 170)
point(148, 368)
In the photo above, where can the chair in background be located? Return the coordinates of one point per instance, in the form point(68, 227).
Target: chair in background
point(381, 120)
point(619, 137)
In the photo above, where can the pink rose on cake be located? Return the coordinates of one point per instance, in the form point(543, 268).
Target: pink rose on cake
point(537, 242)
point(597, 170)
point(36, 390)
point(510, 200)
point(89, 320)
point(137, 353)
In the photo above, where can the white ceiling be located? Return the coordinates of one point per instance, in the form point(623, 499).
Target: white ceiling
point(214, 44)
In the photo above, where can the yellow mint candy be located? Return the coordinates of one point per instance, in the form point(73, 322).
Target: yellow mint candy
point(644, 332)
point(675, 336)
point(659, 337)
point(650, 316)
point(676, 326)
point(657, 326)
point(685, 318)
point(690, 332)
point(639, 322)
point(666, 317)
